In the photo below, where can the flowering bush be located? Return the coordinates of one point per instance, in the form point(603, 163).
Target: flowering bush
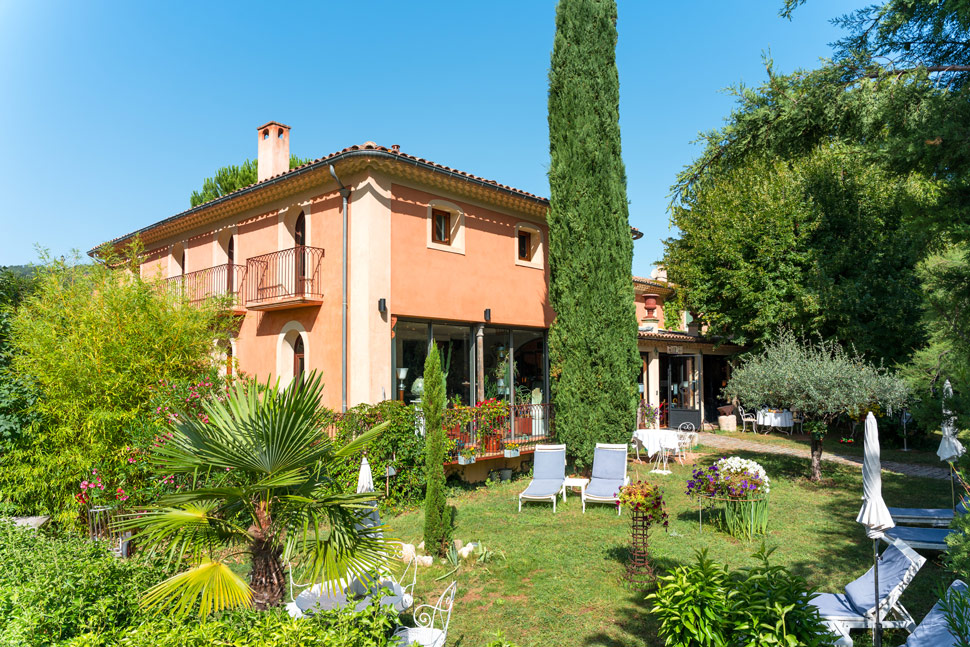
point(729, 477)
point(511, 445)
point(645, 498)
point(745, 486)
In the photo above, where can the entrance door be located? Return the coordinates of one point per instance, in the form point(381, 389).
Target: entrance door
point(680, 389)
point(299, 238)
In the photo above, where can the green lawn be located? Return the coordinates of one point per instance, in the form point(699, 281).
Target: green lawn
point(562, 582)
point(923, 449)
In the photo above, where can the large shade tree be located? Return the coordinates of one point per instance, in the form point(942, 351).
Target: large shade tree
point(819, 378)
point(592, 342)
point(276, 498)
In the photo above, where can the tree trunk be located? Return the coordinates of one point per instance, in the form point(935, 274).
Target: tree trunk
point(816, 459)
point(266, 579)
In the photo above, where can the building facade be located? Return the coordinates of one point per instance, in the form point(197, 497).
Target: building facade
point(353, 263)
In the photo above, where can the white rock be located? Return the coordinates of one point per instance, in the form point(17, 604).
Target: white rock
point(466, 551)
point(407, 552)
point(425, 560)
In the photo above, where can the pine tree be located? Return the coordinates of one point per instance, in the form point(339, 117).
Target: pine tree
point(437, 517)
point(593, 341)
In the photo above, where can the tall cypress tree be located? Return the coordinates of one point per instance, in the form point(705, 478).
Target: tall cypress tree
point(593, 341)
point(437, 516)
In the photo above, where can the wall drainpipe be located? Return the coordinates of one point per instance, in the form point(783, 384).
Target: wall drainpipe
point(345, 194)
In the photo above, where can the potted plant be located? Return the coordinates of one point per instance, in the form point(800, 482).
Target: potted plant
point(646, 504)
point(466, 456)
point(511, 449)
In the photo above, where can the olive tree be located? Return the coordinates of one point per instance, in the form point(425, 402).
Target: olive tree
point(821, 379)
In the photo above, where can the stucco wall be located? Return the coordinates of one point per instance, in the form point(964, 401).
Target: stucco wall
point(430, 283)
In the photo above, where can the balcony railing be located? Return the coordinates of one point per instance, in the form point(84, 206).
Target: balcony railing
point(222, 280)
point(287, 278)
point(527, 425)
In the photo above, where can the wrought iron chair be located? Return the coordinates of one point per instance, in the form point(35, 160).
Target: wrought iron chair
point(686, 439)
point(746, 418)
point(426, 616)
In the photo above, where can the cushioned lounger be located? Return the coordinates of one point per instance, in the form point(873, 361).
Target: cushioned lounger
point(933, 631)
point(925, 538)
point(926, 516)
point(856, 608)
point(609, 475)
point(548, 475)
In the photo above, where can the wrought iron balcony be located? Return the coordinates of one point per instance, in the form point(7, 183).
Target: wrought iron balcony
point(219, 281)
point(289, 278)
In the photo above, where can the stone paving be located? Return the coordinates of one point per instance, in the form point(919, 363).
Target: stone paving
point(909, 469)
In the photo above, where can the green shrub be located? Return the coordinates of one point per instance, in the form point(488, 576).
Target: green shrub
point(94, 341)
point(705, 605)
point(399, 444)
point(246, 628)
point(54, 588)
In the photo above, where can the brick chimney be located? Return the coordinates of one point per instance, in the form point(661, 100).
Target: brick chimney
point(274, 150)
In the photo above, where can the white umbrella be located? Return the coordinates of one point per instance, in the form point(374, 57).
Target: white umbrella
point(950, 448)
point(365, 480)
point(874, 514)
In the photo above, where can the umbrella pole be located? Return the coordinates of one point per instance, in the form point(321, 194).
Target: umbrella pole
point(953, 489)
point(877, 629)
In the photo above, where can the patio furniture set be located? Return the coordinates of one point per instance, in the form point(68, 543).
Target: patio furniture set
point(769, 419)
point(660, 443)
point(549, 479)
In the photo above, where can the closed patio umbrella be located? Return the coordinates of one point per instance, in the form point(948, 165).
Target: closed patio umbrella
point(365, 479)
point(874, 514)
point(950, 448)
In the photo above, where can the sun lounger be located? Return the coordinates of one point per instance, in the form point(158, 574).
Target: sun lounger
point(922, 538)
point(609, 475)
point(548, 475)
point(933, 630)
point(856, 608)
point(940, 517)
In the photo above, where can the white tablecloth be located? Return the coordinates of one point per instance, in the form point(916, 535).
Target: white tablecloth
point(774, 418)
point(653, 440)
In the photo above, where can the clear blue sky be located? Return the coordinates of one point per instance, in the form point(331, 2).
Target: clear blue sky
point(113, 112)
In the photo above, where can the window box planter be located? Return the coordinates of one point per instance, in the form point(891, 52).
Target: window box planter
point(466, 460)
point(511, 453)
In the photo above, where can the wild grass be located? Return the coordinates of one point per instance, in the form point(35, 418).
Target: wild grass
point(561, 582)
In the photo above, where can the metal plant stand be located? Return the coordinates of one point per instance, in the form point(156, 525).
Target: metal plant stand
point(639, 572)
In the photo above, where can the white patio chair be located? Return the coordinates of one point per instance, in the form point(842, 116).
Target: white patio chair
point(609, 475)
point(426, 617)
point(548, 475)
point(395, 591)
point(686, 438)
point(746, 418)
point(856, 608)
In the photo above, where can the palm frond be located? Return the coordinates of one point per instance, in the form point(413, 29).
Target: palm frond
point(194, 528)
point(211, 586)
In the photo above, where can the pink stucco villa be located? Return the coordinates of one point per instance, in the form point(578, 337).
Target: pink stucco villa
point(353, 263)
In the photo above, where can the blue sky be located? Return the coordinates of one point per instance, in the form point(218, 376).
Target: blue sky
point(114, 112)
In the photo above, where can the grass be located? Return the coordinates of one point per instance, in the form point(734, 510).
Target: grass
point(923, 449)
point(561, 582)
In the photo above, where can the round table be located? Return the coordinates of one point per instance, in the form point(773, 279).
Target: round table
point(781, 419)
point(655, 440)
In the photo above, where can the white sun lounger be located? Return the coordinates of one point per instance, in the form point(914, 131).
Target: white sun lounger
point(609, 475)
point(856, 608)
point(933, 630)
point(548, 475)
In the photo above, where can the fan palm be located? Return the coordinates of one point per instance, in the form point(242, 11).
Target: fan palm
point(271, 450)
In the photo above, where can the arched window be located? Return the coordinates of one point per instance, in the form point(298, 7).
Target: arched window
point(299, 230)
point(299, 362)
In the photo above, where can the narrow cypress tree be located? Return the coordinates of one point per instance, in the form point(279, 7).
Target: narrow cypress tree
point(593, 341)
point(437, 517)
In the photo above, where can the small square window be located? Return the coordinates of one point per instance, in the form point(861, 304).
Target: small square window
point(440, 227)
point(525, 246)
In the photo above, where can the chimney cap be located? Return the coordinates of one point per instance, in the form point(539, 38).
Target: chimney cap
point(273, 123)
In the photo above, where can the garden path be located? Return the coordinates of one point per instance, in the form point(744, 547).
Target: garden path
point(909, 469)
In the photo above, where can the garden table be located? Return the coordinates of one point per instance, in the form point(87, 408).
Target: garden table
point(774, 418)
point(658, 442)
point(574, 481)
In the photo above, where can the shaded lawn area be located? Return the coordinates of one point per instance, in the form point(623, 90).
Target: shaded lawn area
point(562, 582)
point(922, 450)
